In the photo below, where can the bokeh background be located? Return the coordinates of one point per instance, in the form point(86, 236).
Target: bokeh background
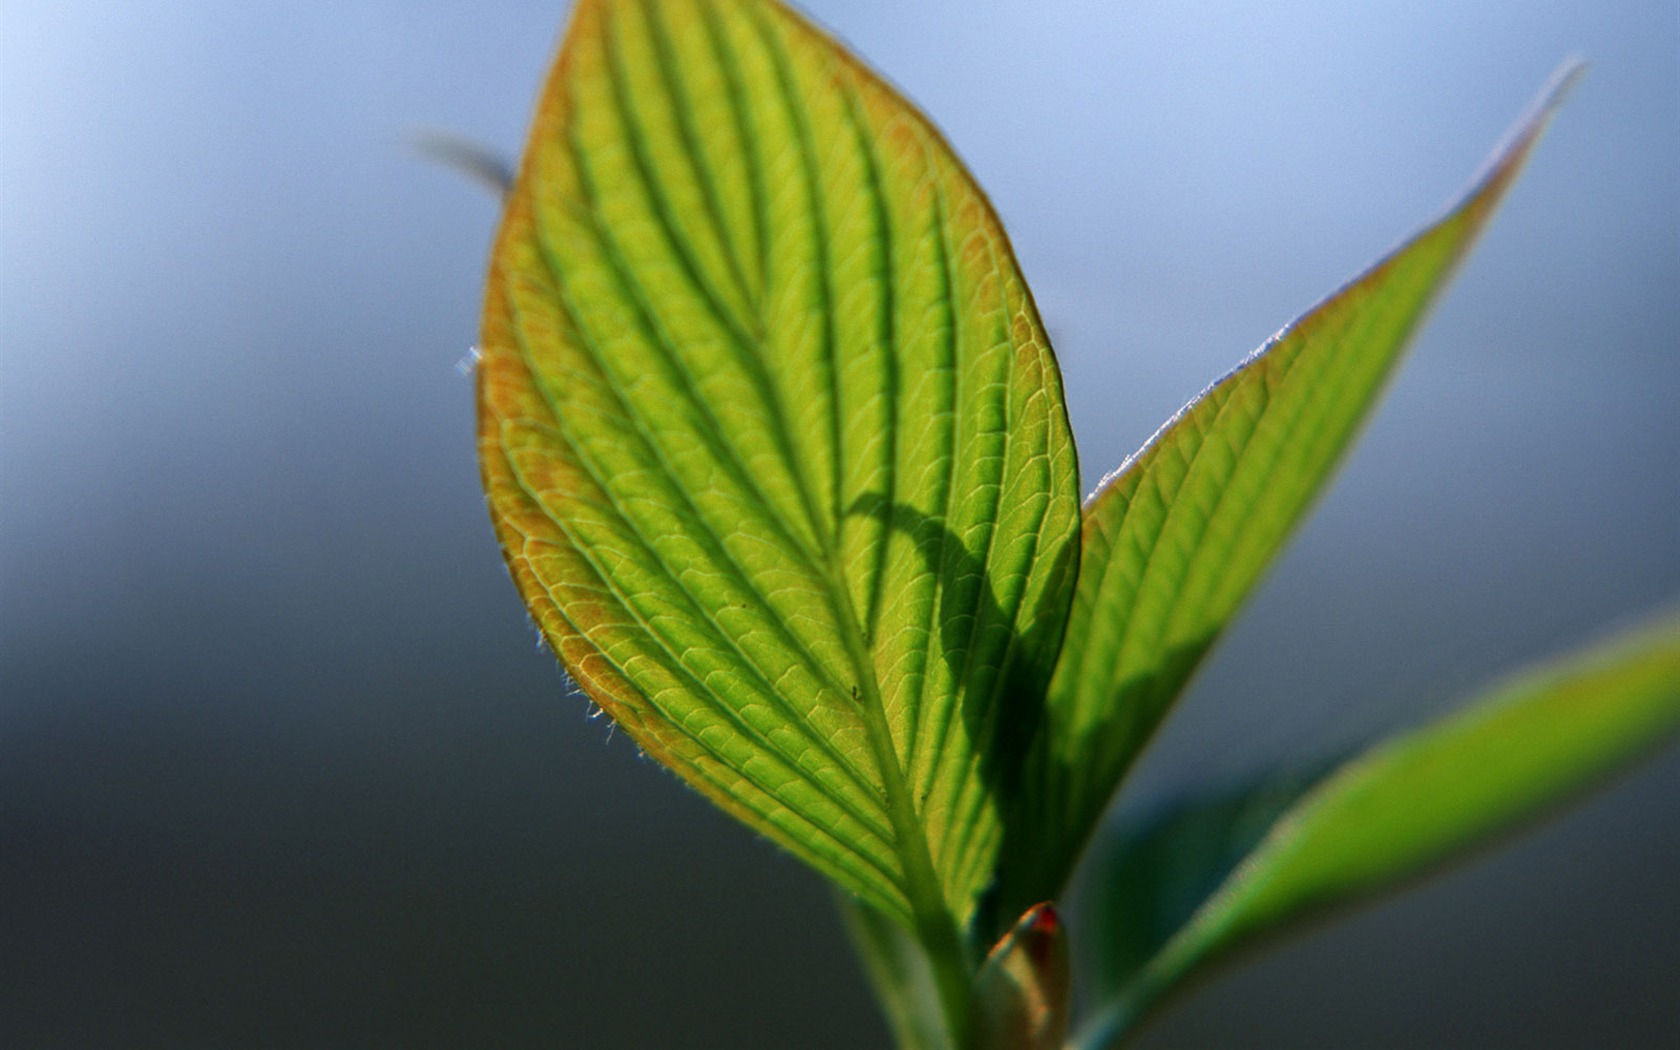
point(280, 761)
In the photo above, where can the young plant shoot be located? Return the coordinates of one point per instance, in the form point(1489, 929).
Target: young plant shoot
point(776, 450)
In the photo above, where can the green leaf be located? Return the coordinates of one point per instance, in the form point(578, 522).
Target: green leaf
point(1391, 814)
point(1153, 874)
point(774, 442)
point(1176, 538)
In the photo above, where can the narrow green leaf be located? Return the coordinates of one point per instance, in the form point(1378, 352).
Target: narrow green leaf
point(1176, 538)
point(774, 442)
point(1154, 873)
point(1391, 814)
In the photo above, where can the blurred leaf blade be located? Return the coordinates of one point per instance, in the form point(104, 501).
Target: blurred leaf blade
point(1176, 538)
point(1157, 872)
point(1404, 808)
point(897, 967)
point(773, 439)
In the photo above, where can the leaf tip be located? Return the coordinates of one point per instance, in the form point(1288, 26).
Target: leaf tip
point(1508, 157)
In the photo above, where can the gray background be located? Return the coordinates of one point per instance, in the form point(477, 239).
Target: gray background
point(279, 760)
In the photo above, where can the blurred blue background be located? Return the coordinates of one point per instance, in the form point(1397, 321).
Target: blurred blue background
point(280, 762)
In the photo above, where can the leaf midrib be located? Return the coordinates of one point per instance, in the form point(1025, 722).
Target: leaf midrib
point(868, 820)
point(727, 456)
point(908, 833)
point(930, 911)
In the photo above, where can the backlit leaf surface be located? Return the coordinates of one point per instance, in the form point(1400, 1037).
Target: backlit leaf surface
point(774, 443)
point(1176, 538)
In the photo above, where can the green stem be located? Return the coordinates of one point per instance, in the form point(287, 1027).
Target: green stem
point(899, 972)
